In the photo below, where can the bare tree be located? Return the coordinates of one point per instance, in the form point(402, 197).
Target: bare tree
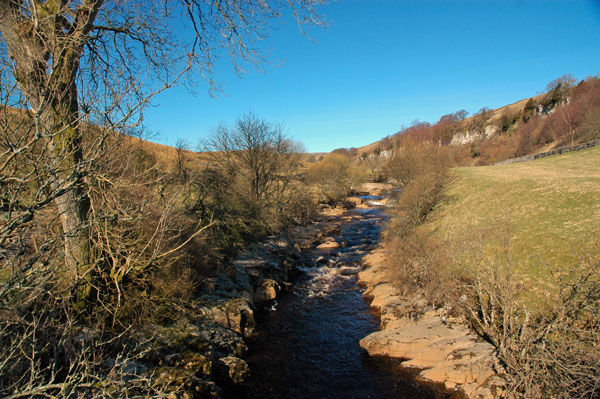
point(256, 151)
point(75, 76)
point(81, 62)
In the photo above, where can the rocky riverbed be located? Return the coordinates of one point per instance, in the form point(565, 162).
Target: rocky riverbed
point(207, 355)
point(203, 356)
point(426, 338)
point(308, 347)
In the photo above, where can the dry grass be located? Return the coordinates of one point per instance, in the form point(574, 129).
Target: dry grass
point(512, 108)
point(165, 155)
point(513, 249)
point(549, 209)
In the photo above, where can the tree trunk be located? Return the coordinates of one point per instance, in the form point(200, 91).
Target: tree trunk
point(60, 119)
point(74, 205)
point(46, 66)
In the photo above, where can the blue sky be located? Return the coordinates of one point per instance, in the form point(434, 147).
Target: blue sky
point(381, 64)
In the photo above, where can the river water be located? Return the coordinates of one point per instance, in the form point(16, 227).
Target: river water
point(308, 345)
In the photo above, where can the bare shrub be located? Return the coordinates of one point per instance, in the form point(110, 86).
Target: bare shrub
point(47, 354)
point(590, 128)
point(336, 176)
point(528, 139)
point(548, 350)
point(251, 185)
point(414, 160)
point(373, 165)
point(133, 237)
point(497, 148)
point(421, 171)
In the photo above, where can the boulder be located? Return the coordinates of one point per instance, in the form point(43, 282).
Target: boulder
point(196, 363)
point(235, 314)
point(266, 290)
point(184, 384)
point(233, 369)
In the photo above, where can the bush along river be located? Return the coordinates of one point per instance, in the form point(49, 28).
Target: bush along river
point(305, 344)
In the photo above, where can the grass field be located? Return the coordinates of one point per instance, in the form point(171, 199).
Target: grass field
point(547, 209)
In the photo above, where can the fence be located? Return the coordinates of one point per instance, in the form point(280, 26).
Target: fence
point(555, 151)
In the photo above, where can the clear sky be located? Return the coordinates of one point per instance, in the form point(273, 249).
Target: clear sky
point(381, 64)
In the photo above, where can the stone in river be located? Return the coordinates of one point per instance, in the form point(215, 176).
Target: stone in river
point(329, 245)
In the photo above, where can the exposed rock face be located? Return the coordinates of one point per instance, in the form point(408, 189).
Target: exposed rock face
point(466, 137)
point(447, 352)
point(474, 135)
point(490, 131)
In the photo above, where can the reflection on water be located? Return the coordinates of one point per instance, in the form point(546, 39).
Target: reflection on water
point(309, 348)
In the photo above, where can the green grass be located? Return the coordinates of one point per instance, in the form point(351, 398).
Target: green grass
point(548, 209)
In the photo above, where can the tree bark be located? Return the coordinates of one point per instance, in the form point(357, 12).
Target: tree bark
point(61, 119)
point(46, 51)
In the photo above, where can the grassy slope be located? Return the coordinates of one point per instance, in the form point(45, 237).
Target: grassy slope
point(549, 207)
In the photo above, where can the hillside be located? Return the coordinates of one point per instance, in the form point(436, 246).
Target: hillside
point(548, 209)
point(165, 155)
point(567, 114)
point(494, 116)
point(511, 251)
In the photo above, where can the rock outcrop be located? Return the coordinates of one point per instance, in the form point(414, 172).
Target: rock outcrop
point(443, 349)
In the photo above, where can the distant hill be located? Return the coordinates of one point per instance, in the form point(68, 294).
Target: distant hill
point(495, 115)
point(164, 154)
point(566, 115)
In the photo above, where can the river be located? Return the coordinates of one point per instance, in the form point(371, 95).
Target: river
point(306, 346)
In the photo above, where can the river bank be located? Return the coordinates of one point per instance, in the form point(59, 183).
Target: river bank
point(308, 347)
point(203, 356)
point(426, 339)
point(252, 301)
point(204, 353)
